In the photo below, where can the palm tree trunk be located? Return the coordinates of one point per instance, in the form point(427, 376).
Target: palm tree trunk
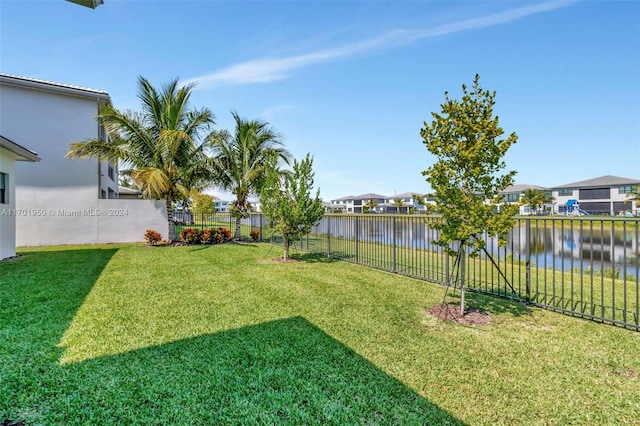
point(238, 235)
point(172, 225)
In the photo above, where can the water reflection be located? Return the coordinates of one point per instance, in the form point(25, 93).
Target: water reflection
point(559, 244)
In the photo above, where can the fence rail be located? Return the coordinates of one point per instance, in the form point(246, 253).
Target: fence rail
point(588, 267)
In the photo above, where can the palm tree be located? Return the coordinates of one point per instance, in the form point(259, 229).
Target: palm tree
point(159, 147)
point(241, 161)
point(369, 205)
point(399, 204)
point(633, 196)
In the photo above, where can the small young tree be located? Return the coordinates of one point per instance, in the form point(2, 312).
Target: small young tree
point(465, 138)
point(287, 203)
point(535, 198)
point(202, 203)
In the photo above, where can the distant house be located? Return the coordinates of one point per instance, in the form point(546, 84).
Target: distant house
point(79, 198)
point(355, 204)
point(601, 195)
point(221, 206)
point(512, 195)
point(383, 203)
point(409, 204)
point(10, 152)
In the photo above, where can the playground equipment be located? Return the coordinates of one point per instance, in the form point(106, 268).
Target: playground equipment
point(573, 209)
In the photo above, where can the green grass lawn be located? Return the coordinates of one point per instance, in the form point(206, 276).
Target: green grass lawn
point(128, 334)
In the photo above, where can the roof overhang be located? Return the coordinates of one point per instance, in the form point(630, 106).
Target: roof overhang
point(50, 86)
point(22, 153)
point(88, 3)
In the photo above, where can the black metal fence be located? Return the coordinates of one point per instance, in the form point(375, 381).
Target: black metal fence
point(583, 266)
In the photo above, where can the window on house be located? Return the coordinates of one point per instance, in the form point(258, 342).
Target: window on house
point(512, 198)
point(4, 188)
point(625, 189)
point(111, 172)
point(595, 193)
point(565, 191)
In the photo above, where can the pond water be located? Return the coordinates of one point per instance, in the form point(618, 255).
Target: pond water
point(564, 245)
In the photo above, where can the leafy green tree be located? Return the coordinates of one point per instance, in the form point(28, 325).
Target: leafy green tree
point(287, 203)
point(422, 199)
point(159, 148)
point(243, 159)
point(465, 138)
point(535, 198)
point(633, 196)
point(202, 203)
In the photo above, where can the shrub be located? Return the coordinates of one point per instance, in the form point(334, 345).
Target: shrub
point(255, 235)
point(152, 237)
point(208, 237)
point(191, 235)
point(222, 235)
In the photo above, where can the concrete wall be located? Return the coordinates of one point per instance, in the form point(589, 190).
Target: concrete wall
point(7, 211)
point(84, 218)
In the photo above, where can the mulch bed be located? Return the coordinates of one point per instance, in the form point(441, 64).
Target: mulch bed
point(471, 317)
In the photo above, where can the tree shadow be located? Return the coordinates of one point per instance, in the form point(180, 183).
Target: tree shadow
point(313, 258)
point(490, 304)
point(286, 371)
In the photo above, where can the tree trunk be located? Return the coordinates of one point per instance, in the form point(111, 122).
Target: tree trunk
point(462, 270)
point(285, 245)
point(172, 225)
point(238, 235)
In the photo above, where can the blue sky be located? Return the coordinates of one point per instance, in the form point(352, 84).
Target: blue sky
point(353, 82)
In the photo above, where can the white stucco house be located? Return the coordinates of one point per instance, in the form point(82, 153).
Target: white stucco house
point(10, 152)
point(76, 200)
point(601, 195)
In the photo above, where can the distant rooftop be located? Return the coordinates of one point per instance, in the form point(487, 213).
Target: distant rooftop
point(521, 188)
point(607, 180)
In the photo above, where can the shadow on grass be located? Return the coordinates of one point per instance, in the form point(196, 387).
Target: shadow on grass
point(280, 372)
point(55, 281)
point(313, 258)
point(39, 296)
point(490, 304)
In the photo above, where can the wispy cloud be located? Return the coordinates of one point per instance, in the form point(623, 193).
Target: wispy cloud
point(270, 69)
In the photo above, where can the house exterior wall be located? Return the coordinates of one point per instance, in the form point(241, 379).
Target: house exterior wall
point(7, 210)
point(47, 120)
point(610, 202)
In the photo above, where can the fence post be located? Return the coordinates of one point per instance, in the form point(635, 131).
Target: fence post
point(356, 237)
point(527, 253)
point(328, 236)
point(394, 244)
